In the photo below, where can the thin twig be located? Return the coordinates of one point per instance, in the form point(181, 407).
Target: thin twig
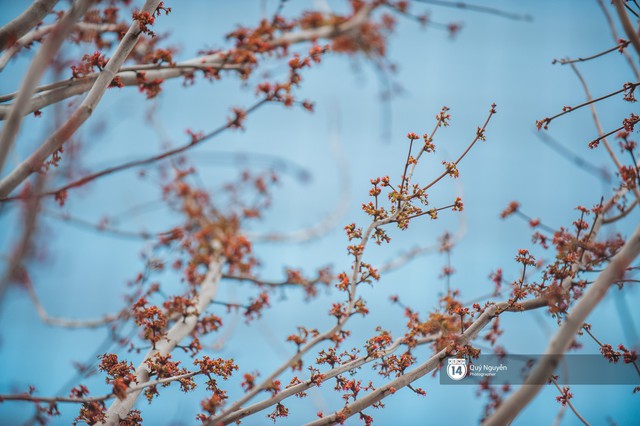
point(478, 8)
point(561, 341)
point(614, 34)
point(83, 112)
point(555, 382)
point(38, 66)
point(620, 46)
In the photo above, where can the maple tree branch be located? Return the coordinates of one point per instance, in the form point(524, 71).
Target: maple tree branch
point(627, 25)
point(356, 273)
point(35, 35)
point(568, 402)
point(137, 163)
point(544, 123)
point(563, 337)
point(478, 8)
point(308, 384)
point(38, 66)
point(58, 91)
point(621, 45)
point(82, 113)
point(406, 379)
point(601, 136)
point(27, 20)
point(484, 319)
point(135, 388)
point(614, 34)
point(207, 292)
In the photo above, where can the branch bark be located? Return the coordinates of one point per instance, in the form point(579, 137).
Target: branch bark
point(25, 22)
point(66, 89)
point(80, 115)
point(181, 329)
point(566, 333)
point(38, 66)
point(627, 25)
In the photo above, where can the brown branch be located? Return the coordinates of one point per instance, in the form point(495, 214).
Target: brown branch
point(555, 382)
point(479, 135)
point(82, 113)
point(58, 91)
point(561, 341)
point(135, 388)
point(35, 35)
point(137, 163)
point(544, 123)
point(268, 283)
point(627, 25)
point(478, 8)
point(614, 33)
point(620, 46)
point(27, 20)
point(351, 293)
point(622, 214)
point(207, 291)
point(38, 66)
point(606, 135)
point(308, 384)
point(596, 120)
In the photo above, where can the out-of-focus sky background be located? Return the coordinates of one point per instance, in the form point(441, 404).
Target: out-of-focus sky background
point(83, 274)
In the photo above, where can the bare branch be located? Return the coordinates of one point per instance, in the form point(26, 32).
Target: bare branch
point(65, 322)
point(25, 22)
point(614, 33)
point(308, 384)
point(555, 382)
point(80, 115)
point(561, 341)
point(37, 68)
point(137, 163)
point(544, 123)
point(61, 90)
point(619, 47)
point(135, 388)
point(208, 289)
point(596, 120)
point(478, 8)
point(627, 25)
point(38, 33)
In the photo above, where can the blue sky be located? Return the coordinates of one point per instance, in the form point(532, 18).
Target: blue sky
point(493, 59)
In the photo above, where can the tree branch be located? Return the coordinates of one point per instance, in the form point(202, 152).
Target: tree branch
point(208, 289)
point(37, 68)
point(561, 341)
point(27, 20)
point(61, 90)
point(627, 25)
point(80, 115)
